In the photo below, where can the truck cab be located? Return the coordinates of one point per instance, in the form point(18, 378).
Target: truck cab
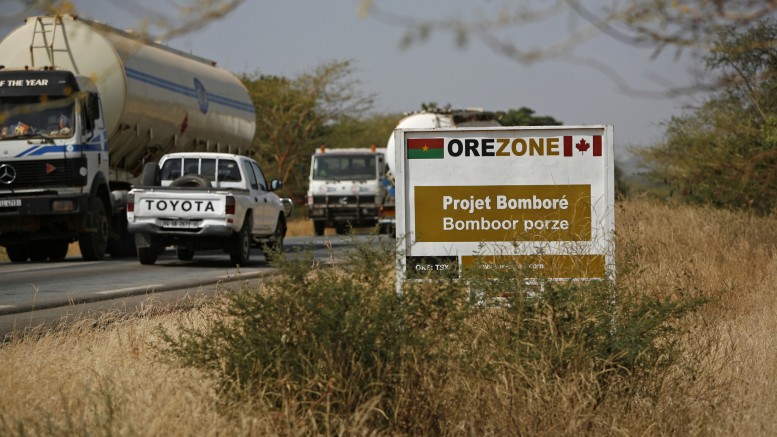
point(53, 166)
point(345, 188)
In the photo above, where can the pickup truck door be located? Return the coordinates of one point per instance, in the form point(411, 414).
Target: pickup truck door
point(259, 195)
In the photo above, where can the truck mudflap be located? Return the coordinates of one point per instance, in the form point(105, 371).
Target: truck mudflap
point(143, 240)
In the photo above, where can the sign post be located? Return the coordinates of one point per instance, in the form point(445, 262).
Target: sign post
point(536, 198)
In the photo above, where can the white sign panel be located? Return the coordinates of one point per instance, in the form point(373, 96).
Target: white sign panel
point(540, 198)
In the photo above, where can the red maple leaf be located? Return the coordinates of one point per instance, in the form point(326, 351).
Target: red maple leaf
point(582, 146)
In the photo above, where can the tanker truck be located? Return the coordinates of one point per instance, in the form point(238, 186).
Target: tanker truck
point(83, 108)
point(427, 119)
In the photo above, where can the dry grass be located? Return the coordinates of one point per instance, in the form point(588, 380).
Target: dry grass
point(106, 377)
point(299, 227)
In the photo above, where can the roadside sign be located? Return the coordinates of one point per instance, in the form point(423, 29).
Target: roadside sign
point(539, 198)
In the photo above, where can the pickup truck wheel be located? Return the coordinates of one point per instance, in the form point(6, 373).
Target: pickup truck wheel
point(94, 244)
point(192, 180)
point(184, 254)
point(275, 245)
point(17, 253)
point(240, 250)
point(318, 228)
point(147, 255)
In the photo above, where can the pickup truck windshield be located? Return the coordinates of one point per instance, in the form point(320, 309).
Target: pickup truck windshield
point(28, 117)
point(221, 170)
point(344, 167)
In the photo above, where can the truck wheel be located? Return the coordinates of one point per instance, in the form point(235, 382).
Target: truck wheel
point(56, 250)
point(151, 175)
point(342, 228)
point(37, 251)
point(275, 245)
point(240, 250)
point(192, 180)
point(184, 254)
point(17, 253)
point(124, 243)
point(318, 228)
point(94, 244)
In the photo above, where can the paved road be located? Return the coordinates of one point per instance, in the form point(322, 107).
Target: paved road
point(33, 293)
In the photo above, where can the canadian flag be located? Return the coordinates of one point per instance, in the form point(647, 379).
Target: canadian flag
point(583, 144)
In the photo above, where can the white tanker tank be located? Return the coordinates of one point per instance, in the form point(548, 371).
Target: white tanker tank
point(433, 119)
point(155, 99)
point(439, 119)
point(120, 101)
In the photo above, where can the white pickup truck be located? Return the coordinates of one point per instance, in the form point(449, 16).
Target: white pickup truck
point(206, 201)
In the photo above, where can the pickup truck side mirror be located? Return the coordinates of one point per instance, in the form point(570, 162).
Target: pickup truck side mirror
point(276, 184)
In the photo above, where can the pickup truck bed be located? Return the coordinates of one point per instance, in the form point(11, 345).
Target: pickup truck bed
point(203, 211)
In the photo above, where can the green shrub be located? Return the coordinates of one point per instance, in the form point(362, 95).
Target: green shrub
point(324, 342)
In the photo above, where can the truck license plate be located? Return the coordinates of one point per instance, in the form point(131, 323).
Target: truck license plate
point(5, 203)
point(181, 224)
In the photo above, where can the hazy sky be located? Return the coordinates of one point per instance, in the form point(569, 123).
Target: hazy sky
point(289, 37)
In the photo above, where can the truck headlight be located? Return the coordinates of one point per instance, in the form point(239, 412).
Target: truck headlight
point(66, 205)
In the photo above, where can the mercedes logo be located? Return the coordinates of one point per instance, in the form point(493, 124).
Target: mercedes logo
point(7, 174)
point(342, 201)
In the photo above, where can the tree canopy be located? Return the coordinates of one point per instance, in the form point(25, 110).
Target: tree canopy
point(724, 152)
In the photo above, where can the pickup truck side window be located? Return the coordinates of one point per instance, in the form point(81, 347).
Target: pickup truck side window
point(229, 171)
point(171, 169)
point(250, 175)
point(208, 168)
point(260, 176)
point(191, 166)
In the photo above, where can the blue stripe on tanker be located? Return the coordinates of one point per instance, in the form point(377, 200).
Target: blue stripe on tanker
point(189, 92)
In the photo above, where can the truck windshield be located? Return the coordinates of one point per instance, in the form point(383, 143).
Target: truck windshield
point(344, 167)
point(29, 117)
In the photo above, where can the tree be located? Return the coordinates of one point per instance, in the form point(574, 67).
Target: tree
point(361, 131)
point(525, 117)
point(293, 116)
point(724, 152)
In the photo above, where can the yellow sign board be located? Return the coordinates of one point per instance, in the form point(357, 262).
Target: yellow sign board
point(503, 213)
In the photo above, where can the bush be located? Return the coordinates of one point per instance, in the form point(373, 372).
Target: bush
point(337, 346)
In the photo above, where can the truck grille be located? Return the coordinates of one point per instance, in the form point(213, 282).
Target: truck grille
point(343, 200)
point(42, 173)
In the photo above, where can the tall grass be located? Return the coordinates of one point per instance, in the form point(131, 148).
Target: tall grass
point(333, 350)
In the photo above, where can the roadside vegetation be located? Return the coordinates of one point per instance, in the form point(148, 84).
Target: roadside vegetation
point(680, 344)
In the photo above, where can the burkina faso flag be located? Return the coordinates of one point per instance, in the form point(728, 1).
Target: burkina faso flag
point(425, 148)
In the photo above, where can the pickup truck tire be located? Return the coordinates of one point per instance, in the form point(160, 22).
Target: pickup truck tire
point(93, 245)
point(318, 228)
point(191, 180)
point(184, 254)
point(17, 253)
point(149, 249)
point(152, 177)
point(240, 246)
point(148, 255)
point(275, 245)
